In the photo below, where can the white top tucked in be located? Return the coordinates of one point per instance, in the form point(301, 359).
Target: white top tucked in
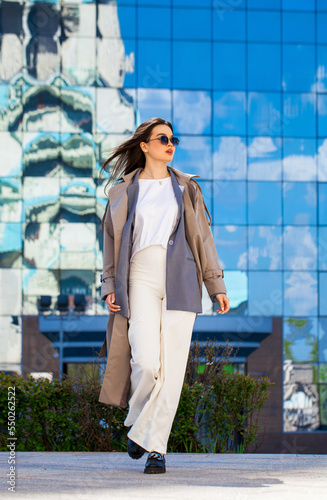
point(156, 213)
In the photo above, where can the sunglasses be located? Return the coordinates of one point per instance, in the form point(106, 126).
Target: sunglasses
point(165, 140)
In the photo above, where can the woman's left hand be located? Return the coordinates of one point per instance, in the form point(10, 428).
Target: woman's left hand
point(223, 302)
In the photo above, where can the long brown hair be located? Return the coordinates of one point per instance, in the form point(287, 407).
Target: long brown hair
point(129, 154)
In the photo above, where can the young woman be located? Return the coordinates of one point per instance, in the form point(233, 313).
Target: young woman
point(158, 250)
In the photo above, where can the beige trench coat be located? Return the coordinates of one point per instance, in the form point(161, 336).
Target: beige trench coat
point(116, 382)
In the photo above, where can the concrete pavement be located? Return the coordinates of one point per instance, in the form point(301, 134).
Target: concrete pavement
point(103, 476)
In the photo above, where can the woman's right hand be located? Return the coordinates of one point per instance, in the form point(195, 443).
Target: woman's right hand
point(110, 299)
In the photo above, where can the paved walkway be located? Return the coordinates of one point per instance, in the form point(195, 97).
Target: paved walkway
point(66, 476)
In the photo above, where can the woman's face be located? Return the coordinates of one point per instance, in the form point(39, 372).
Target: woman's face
point(155, 149)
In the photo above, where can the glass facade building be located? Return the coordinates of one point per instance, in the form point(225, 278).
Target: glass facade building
point(244, 83)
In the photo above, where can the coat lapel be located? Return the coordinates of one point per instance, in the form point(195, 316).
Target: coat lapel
point(178, 195)
point(125, 248)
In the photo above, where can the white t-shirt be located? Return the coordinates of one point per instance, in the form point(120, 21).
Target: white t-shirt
point(156, 213)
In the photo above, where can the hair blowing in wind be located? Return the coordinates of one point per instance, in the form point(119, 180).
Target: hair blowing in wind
point(129, 155)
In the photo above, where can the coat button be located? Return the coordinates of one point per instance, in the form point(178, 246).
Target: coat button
point(171, 242)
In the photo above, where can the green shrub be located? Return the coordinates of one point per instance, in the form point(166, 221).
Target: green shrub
point(218, 410)
point(61, 415)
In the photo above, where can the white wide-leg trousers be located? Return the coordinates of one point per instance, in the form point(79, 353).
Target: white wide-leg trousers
point(160, 342)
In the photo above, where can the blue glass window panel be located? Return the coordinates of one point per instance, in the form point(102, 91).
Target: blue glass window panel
point(322, 203)
point(41, 245)
point(229, 26)
point(194, 156)
point(265, 203)
point(78, 109)
point(115, 62)
point(78, 154)
point(40, 282)
point(300, 293)
point(73, 282)
point(132, 2)
point(322, 248)
point(298, 27)
point(127, 21)
point(229, 113)
point(41, 199)
point(116, 110)
point(231, 243)
point(321, 5)
point(11, 107)
point(322, 293)
point(78, 187)
point(299, 5)
point(77, 200)
point(192, 112)
point(226, 74)
point(299, 118)
point(11, 154)
point(322, 115)
point(301, 340)
point(130, 71)
point(103, 143)
point(10, 199)
point(42, 154)
point(77, 243)
point(264, 158)
point(300, 203)
point(78, 61)
point(11, 240)
point(11, 302)
point(264, 114)
point(322, 159)
point(237, 289)
point(191, 24)
point(11, 18)
point(41, 108)
point(12, 52)
point(300, 248)
point(298, 67)
point(154, 22)
point(229, 202)
point(323, 373)
point(229, 158)
point(322, 68)
point(43, 22)
point(153, 102)
point(155, 61)
point(265, 247)
point(147, 2)
point(321, 28)
point(322, 343)
point(264, 67)
point(191, 65)
point(299, 162)
point(191, 3)
point(264, 293)
point(264, 26)
point(267, 4)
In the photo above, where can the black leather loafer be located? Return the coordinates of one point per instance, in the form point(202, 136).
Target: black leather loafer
point(155, 464)
point(134, 450)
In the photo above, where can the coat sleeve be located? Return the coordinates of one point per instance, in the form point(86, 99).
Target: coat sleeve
point(213, 274)
point(107, 277)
